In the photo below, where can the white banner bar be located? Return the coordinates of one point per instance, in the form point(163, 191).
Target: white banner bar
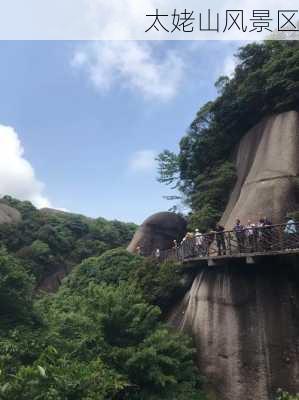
point(148, 19)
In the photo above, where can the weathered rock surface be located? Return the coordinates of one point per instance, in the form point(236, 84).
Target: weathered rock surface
point(52, 282)
point(245, 319)
point(267, 164)
point(158, 232)
point(245, 323)
point(9, 215)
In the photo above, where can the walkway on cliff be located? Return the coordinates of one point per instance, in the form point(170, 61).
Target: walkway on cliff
point(249, 244)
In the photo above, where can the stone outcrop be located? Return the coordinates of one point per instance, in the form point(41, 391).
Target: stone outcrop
point(245, 324)
point(158, 232)
point(51, 282)
point(245, 318)
point(9, 215)
point(267, 165)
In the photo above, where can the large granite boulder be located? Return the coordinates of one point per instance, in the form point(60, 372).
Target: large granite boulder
point(158, 232)
point(267, 166)
point(9, 215)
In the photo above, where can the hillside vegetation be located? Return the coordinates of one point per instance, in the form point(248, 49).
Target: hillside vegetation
point(47, 240)
point(265, 82)
point(101, 335)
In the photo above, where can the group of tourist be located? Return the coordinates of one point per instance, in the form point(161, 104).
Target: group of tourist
point(250, 238)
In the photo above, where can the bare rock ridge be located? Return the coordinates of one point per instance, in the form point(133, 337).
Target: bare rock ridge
point(245, 318)
point(9, 215)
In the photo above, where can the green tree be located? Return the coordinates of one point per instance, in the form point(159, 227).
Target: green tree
point(113, 267)
point(104, 342)
point(16, 289)
point(162, 284)
point(282, 395)
point(265, 82)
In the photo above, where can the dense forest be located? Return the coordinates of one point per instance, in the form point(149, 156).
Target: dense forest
point(46, 240)
point(101, 335)
point(265, 82)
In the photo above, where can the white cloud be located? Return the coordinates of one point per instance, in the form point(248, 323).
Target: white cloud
point(143, 161)
point(133, 65)
point(139, 65)
point(17, 176)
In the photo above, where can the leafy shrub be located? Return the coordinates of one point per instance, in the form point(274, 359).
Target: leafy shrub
point(112, 267)
point(282, 395)
point(16, 289)
point(162, 284)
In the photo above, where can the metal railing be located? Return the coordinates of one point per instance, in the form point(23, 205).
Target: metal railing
point(246, 241)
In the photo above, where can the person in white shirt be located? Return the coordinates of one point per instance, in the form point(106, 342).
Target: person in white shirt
point(198, 242)
point(290, 234)
point(250, 235)
point(157, 253)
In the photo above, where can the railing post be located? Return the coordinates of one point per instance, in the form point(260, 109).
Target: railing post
point(229, 245)
point(281, 238)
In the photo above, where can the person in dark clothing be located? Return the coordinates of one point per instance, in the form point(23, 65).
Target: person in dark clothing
point(260, 234)
point(209, 239)
point(220, 240)
point(268, 222)
point(267, 234)
point(239, 232)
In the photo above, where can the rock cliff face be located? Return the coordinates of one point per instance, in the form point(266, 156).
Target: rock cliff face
point(9, 215)
point(245, 318)
point(267, 165)
point(245, 324)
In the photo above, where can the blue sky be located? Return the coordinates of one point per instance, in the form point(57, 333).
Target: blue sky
point(87, 119)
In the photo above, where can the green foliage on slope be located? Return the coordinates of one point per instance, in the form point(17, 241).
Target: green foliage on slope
point(265, 82)
point(16, 290)
point(101, 336)
point(282, 395)
point(97, 338)
point(111, 268)
point(47, 240)
point(161, 284)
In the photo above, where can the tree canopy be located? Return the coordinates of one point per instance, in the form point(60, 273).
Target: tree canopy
point(47, 240)
point(265, 82)
point(101, 335)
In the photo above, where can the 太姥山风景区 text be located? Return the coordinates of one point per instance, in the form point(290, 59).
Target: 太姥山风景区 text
point(188, 21)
